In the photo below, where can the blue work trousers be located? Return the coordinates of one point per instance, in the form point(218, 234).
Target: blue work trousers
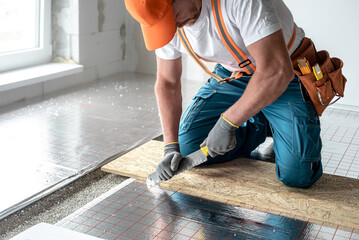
point(294, 124)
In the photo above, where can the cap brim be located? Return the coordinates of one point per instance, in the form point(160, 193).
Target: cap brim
point(160, 34)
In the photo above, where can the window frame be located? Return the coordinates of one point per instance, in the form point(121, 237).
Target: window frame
point(33, 56)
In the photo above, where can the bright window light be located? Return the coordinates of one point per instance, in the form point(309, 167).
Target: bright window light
point(19, 23)
point(25, 33)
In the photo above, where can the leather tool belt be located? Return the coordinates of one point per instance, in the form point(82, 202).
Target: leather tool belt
point(323, 91)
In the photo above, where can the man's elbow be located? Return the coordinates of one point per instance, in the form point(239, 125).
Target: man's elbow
point(160, 87)
point(165, 85)
point(288, 74)
point(283, 77)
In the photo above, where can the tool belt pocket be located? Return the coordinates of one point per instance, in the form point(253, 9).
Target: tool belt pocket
point(330, 86)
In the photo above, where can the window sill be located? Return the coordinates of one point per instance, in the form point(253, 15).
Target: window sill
point(37, 74)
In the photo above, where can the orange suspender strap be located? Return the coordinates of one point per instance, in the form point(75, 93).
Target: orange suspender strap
point(294, 35)
point(237, 53)
point(187, 46)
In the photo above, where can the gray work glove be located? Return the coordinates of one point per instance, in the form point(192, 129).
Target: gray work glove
point(170, 161)
point(222, 138)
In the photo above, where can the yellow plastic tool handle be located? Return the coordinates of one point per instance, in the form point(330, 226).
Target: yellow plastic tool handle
point(205, 150)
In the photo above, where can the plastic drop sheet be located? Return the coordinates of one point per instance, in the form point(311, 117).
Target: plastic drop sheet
point(49, 142)
point(134, 211)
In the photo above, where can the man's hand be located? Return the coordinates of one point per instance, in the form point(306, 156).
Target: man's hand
point(221, 138)
point(170, 161)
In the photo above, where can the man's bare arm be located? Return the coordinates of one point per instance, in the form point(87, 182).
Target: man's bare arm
point(273, 73)
point(169, 97)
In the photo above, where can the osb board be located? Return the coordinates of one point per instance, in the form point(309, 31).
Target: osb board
point(247, 182)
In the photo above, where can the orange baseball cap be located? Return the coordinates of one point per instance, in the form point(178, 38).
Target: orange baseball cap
point(157, 20)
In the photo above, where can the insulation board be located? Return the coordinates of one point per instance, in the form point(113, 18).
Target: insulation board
point(251, 183)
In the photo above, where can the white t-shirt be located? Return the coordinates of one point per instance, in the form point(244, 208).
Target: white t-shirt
point(247, 21)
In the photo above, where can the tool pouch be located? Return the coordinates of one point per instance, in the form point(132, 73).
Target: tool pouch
point(323, 91)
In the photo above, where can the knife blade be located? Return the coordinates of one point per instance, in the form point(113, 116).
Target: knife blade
point(194, 159)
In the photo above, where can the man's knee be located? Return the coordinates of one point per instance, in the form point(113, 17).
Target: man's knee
point(303, 177)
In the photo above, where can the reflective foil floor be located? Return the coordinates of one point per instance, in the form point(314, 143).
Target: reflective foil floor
point(133, 211)
point(45, 144)
point(340, 136)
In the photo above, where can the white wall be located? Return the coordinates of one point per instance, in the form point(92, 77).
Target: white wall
point(334, 26)
point(146, 61)
point(92, 33)
point(95, 35)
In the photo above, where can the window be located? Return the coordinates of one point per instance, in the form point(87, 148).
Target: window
point(25, 33)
